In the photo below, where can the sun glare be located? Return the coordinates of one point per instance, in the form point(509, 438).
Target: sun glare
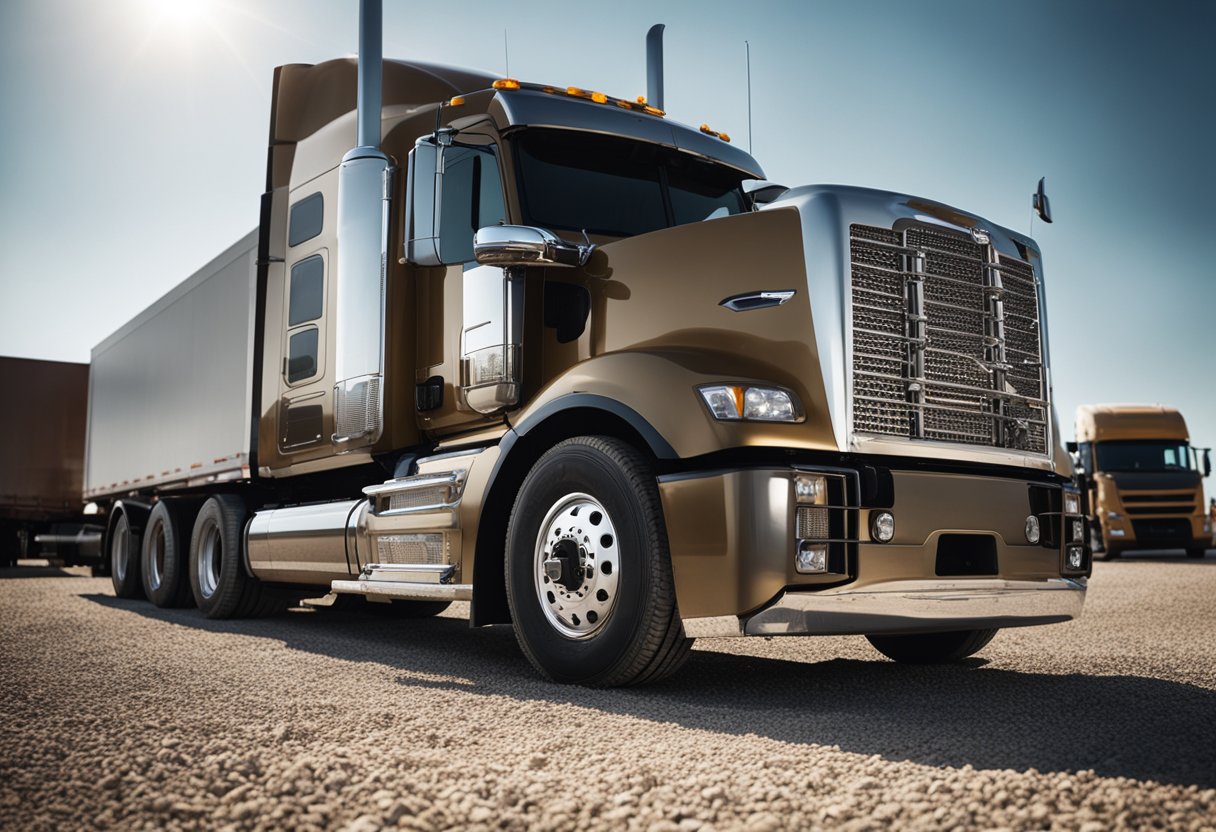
point(181, 14)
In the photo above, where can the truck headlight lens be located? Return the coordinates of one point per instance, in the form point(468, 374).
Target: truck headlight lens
point(1078, 531)
point(811, 558)
point(1076, 558)
point(1072, 502)
point(1033, 532)
point(810, 490)
point(882, 526)
point(734, 402)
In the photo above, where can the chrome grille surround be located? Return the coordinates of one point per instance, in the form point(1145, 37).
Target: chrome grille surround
point(947, 342)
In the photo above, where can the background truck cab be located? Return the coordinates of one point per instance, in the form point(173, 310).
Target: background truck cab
point(1145, 479)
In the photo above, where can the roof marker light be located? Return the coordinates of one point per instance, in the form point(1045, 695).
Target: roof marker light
point(506, 84)
point(599, 98)
point(456, 101)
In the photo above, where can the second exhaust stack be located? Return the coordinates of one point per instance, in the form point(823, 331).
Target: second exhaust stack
point(654, 66)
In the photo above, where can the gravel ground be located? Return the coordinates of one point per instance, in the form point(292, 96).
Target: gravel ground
point(120, 715)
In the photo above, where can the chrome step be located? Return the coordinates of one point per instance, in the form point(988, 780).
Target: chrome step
point(409, 590)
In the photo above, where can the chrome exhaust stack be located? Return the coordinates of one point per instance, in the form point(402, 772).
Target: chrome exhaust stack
point(654, 66)
point(364, 190)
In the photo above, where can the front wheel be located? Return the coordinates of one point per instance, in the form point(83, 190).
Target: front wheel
point(932, 648)
point(588, 571)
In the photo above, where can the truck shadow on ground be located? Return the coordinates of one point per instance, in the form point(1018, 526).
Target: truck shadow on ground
point(8, 573)
point(1129, 726)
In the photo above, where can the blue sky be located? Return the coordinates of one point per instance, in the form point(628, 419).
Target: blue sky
point(133, 141)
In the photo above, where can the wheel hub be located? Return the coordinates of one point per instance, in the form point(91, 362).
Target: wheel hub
point(577, 566)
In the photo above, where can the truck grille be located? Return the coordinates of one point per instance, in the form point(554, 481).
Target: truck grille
point(946, 340)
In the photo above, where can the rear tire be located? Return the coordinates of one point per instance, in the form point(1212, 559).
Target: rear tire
point(590, 510)
point(218, 580)
point(124, 559)
point(932, 648)
point(165, 561)
point(1196, 553)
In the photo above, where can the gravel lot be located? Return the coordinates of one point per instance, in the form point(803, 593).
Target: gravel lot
point(121, 715)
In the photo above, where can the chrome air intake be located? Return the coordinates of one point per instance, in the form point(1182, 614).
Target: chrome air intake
point(946, 339)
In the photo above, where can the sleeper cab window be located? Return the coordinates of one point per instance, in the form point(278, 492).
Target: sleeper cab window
point(307, 295)
point(302, 355)
point(307, 217)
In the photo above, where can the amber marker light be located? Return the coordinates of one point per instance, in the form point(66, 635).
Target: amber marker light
point(654, 111)
point(599, 98)
point(724, 137)
point(456, 101)
point(506, 84)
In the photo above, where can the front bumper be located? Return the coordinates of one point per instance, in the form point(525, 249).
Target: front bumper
point(960, 558)
point(901, 607)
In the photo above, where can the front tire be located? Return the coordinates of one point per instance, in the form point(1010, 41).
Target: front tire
point(932, 648)
point(165, 561)
point(218, 580)
point(588, 572)
point(124, 559)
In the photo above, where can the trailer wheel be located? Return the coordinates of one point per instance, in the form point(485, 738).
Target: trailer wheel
point(165, 557)
point(932, 648)
point(124, 559)
point(218, 580)
point(588, 572)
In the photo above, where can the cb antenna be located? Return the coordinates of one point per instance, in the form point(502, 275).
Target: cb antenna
point(506, 55)
point(748, 46)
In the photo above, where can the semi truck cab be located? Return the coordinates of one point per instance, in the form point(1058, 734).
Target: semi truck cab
point(1145, 480)
point(542, 349)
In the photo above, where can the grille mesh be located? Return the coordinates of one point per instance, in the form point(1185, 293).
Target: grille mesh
point(412, 548)
point(946, 340)
point(813, 523)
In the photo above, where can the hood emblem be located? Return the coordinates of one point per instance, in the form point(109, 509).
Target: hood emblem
point(980, 236)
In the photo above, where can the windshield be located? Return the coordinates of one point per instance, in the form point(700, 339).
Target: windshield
point(618, 187)
point(1144, 456)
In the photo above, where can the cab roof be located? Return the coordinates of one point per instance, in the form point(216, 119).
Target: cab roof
point(1111, 422)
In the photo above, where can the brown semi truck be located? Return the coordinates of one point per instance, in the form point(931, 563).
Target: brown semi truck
point(1145, 480)
point(548, 351)
point(42, 463)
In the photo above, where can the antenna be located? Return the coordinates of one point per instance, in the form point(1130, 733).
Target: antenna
point(506, 55)
point(749, 95)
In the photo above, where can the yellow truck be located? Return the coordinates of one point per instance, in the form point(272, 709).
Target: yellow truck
point(1144, 480)
point(546, 350)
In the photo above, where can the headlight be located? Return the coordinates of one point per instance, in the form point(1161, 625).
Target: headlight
point(1072, 502)
point(735, 402)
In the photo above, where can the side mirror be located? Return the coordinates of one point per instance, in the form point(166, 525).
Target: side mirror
point(525, 245)
point(1072, 447)
point(1040, 203)
point(422, 190)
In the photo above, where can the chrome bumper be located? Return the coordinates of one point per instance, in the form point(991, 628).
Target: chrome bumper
point(905, 607)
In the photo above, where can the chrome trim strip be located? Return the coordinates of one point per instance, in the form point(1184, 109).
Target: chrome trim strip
point(921, 606)
point(453, 478)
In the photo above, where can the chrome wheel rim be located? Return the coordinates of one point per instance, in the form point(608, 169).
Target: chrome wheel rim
point(118, 551)
point(210, 559)
point(156, 563)
point(576, 566)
